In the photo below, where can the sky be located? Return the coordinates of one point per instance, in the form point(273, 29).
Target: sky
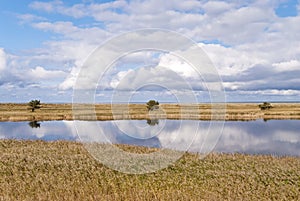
point(254, 46)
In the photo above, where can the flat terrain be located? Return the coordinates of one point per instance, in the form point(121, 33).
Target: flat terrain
point(38, 170)
point(231, 111)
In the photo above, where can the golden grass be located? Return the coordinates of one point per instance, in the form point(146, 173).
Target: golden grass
point(234, 111)
point(37, 170)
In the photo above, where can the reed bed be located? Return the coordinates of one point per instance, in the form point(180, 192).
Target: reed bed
point(61, 170)
point(230, 112)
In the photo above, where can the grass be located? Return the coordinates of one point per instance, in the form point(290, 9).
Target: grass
point(234, 111)
point(38, 170)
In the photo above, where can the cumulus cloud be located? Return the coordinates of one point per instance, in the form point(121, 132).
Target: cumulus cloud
point(235, 22)
point(217, 7)
point(287, 65)
point(45, 6)
point(252, 48)
point(19, 81)
point(228, 60)
point(2, 59)
point(28, 18)
point(8, 76)
point(68, 30)
point(177, 65)
point(134, 79)
point(69, 82)
point(261, 77)
point(40, 73)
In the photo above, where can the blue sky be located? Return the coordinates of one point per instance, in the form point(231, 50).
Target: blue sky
point(253, 44)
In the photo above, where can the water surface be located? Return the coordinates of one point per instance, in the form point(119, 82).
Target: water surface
point(276, 137)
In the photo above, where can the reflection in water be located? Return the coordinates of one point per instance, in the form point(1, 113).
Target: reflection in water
point(278, 137)
point(34, 124)
point(152, 122)
point(50, 130)
point(125, 139)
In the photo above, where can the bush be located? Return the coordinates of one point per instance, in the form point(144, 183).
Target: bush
point(265, 106)
point(152, 105)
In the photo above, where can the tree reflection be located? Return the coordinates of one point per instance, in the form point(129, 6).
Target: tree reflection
point(152, 122)
point(34, 124)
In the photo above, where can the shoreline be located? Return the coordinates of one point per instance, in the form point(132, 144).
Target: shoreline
point(139, 149)
point(105, 112)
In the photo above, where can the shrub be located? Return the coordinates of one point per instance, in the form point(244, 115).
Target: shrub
point(265, 106)
point(152, 105)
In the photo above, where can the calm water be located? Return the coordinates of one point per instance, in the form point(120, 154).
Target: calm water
point(277, 137)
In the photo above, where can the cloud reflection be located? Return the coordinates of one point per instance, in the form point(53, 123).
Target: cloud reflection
point(277, 137)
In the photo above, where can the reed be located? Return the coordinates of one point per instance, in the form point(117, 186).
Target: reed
point(233, 112)
point(60, 170)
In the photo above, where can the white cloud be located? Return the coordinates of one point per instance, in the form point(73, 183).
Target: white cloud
point(133, 79)
point(57, 27)
point(70, 81)
point(287, 65)
point(143, 57)
point(69, 31)
point(236, 22)
point(27, 18)
point(76, 11)
point(2, 59)
point(17, 73)
point(228, 60)
point(233, 85)
point(217, 7)
point(40, 73)
point(45, 6)
point(238, 26)
point(177, 65)
point(248, 34)
point(158, 78)
point(80, 10)
point(116, 80)
point(288, 92)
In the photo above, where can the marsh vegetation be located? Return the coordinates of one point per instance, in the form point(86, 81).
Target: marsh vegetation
point(233, 111)
point(38, 170)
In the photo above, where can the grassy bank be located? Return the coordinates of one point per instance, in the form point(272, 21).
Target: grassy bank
point(234, 111)
point(38, 170)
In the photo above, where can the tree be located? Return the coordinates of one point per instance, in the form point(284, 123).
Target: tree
point(152, 105)
point(34, 104)
point(265, 106)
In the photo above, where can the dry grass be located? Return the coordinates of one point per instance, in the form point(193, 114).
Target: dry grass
point(37, 170)
point(234, 111)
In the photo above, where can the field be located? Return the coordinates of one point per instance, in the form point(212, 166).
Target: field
point(61, 170)
point(37, 170)
point(230, 111)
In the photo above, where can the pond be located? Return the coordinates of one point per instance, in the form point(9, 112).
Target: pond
point(276, 137)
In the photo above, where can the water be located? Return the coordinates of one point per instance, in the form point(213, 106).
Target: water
point(276, 137)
